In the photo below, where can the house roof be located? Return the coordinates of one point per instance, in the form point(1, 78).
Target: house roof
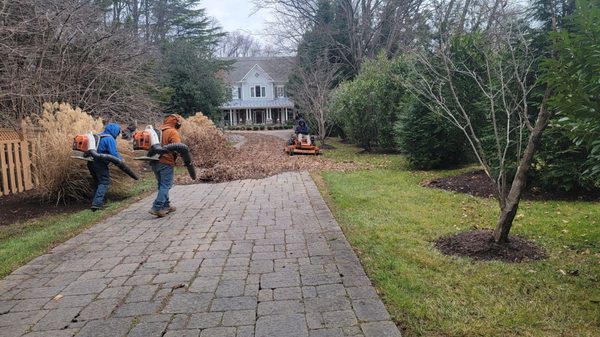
point(259, 104)
point(279, 68)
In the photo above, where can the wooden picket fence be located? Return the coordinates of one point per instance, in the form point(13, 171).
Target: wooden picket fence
point(16, 153)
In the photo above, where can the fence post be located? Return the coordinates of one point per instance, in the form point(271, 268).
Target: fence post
point(4, 169)
point(26, 162)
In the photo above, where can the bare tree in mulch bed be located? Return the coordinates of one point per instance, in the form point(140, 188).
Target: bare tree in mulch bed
point(508, 73)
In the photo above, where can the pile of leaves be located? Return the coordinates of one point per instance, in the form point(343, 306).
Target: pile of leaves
point(207, 143)
point(259, 157)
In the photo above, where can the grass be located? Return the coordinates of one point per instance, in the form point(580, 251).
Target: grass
point(391, 220)
point(22, 242)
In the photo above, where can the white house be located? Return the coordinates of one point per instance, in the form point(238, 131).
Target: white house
point(259, 91)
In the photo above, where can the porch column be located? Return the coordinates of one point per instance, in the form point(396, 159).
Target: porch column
point(247, 116)
point(285, 116)
point(230, 117)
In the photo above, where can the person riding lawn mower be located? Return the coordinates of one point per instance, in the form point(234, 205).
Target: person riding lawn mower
point(301, 141)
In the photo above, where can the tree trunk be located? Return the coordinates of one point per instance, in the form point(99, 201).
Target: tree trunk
point(508, 212)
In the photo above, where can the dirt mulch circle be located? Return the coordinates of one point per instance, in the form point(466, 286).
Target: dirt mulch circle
point(478, 184)
point(473, 183)
point(479, 245)
point(26, 206)
point(262, 156)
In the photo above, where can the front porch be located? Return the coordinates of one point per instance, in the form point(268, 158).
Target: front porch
point(256, 112)
point(267, 116)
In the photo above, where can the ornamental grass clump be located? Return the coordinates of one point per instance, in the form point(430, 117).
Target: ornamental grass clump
point(61, 177)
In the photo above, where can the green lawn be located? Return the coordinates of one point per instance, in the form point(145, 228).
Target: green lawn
point(392, 220)
point(22, 242)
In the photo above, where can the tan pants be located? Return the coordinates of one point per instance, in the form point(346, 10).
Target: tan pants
point(307, 138)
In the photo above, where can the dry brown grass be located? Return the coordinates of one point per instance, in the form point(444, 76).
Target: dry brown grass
point(60, 176)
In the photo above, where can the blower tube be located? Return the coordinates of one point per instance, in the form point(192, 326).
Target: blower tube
point(118, 162)
point(179, 148)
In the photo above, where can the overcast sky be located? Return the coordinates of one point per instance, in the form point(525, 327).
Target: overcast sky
point(237, 15)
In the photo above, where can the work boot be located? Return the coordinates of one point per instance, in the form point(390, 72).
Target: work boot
point(160, 213)
point(170, 209)
point(95, 208)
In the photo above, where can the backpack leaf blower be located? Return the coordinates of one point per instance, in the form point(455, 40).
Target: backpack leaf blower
point(148, 140)
point(84, 148)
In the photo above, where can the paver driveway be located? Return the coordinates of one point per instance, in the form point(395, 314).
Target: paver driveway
point(261, 258)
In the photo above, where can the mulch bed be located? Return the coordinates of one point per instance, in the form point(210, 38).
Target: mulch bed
point(479, 245)
point(473, 183)
point(26, 206)
point(479, 185)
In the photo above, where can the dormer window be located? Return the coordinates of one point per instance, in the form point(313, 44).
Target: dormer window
point(236, 92)
point(258, 91)
point(280, 91)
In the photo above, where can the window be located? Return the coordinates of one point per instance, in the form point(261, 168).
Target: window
point(234, 92)
point(280, 91)
point(258, 91)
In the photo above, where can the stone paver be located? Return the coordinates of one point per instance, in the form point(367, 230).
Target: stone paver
point(253, 258)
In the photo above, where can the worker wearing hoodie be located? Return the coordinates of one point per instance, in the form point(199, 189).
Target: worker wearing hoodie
point(303, 129)
point(163, 169)
point(107, 144)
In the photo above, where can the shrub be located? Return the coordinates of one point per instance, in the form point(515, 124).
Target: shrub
point(560, 164)
point(427, 140)
point(367, 107)
point(61, 177)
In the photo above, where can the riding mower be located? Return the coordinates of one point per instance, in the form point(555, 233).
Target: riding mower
point(304, 145)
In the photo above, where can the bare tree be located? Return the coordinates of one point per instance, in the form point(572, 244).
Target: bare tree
point(60, 50)
point(505, 82)
point(312, 88)
point(238, 44)
point(363, 28)
point(450, 17)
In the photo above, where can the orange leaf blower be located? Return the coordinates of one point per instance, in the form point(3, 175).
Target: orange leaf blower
point(149, 142)
point(84, 148)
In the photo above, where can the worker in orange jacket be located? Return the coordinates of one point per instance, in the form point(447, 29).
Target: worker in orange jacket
point(164, 168)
